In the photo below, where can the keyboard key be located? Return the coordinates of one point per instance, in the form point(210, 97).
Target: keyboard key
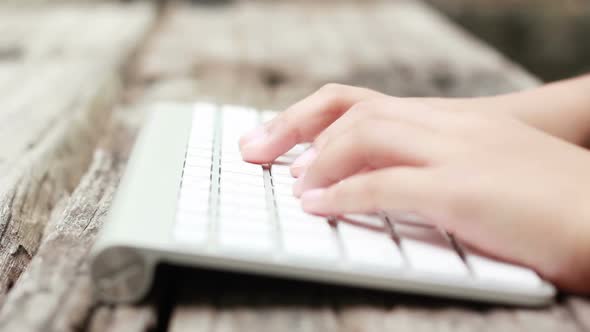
point(305, 227)
point(289, 202)
point(195, 186)
point(243, 212)
point(198, 170)
point(372, 220)
point(285, 159)
point(189, 218)
point(283, 181)
point(241, 168)
point(195, 198)
point(428, 251)
point(193, 209)
point(237, 191)
point(369, 247)
point(408, 218)
point(240, 233)
point(279, 170)
point(237, 121)
point(198, 149)
point(307, 236)
point(268, 115)
point(297, 150)
point(310, 247)
point(289, 157)
point(231, 200)
point(200, 167)
point(228, 180)
point(237, 224)
point(493, 271)
point(200, 133)
point(203, 114)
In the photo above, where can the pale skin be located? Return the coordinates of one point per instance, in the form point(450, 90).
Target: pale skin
point(508, 175)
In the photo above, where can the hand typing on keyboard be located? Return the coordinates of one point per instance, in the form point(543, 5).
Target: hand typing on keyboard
point(497, 183)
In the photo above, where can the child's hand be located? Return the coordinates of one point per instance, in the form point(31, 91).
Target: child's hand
point(496, 183)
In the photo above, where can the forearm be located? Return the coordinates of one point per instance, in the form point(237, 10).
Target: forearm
point(561, 108)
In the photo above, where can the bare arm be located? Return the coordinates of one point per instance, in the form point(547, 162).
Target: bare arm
point(561, 109)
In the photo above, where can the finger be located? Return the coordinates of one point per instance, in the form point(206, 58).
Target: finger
point(390, 108)
point(371, 144)
point(302, 122)
point(403, 189)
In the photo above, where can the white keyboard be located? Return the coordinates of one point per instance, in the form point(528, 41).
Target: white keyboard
point(188, 198)
point(228, 205)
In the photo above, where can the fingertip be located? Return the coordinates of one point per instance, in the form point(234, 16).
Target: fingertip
point(296, 170)
point(312, 201)
point(257, 135)
point(254, 155)
point(301, 163)
point(254, 146)
point(298, 187)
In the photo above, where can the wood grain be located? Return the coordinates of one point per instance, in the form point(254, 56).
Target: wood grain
point(58, 86)
point(55, 293)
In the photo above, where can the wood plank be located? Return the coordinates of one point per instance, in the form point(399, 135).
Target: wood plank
point(454, 318)
point(124, 319)
point(58, 85)
point(99, 34)
point(56, 293)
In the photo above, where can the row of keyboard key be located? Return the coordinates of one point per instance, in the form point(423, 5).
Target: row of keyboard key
point(244, 224)
point(368, 244)
point(303, 236)
point(193, 214)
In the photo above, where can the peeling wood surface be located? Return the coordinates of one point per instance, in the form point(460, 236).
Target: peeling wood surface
point(74, 80)
point(59, 75)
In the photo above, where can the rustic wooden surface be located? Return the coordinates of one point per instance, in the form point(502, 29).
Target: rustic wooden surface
point(73, 82)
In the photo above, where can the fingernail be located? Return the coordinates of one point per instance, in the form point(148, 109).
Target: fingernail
point(252, 142)
point(312, 200)
point(303, 161)
point(254, 137)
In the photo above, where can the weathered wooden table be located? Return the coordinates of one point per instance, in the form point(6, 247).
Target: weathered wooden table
point(74, 79)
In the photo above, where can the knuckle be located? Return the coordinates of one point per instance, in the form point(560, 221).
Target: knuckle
point(364, 108)
point(284, 122)
point(355, 139)
point(333, 89)
point(362, 132)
